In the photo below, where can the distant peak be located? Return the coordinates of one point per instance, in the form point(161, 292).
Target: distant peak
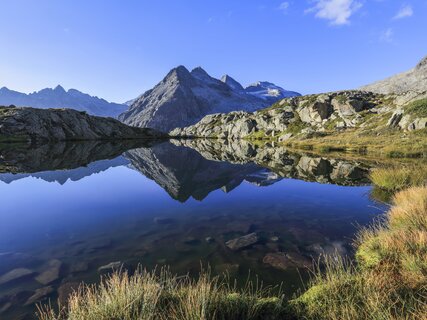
point(59, 88)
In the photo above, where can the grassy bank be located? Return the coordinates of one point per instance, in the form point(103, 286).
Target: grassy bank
point(389, 280)
point(388, 143)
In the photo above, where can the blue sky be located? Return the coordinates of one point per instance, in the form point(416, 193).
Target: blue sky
point(118, 49)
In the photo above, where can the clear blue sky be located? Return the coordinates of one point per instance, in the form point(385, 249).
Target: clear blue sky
point(118, 49)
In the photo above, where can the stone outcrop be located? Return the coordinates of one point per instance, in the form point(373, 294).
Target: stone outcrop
point(308, 116)
point(30, 124)
point(182, 98)
point(310, 113)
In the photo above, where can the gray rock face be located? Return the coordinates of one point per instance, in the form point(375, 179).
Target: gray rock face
point(182, 98)
point(59, 98)
point(30, 124)
point(414, 80)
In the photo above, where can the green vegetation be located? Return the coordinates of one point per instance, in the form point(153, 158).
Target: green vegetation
point(397, 178)
point(417, 108)
point(386, 143)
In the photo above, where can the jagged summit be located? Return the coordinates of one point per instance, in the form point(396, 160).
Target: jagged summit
point(233, 84)
point(182, 98)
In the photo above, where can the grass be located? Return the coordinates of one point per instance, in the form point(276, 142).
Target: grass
point(386, 143)
point(145, 295)
point(397, 178)
point(417, 108)
point(389, 280)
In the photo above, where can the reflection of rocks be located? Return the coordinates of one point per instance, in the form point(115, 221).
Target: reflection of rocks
point(283, 261)
point(242, 242)
point(186, 173)
point(15, 274)
point(61, 156)
point(201, 166)
point(279, 160)
point(39, 294)
point(50, 273)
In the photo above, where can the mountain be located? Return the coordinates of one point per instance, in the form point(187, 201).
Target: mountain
point(269, 91)
point(414, 80)
point(59, 98)
point(182, 98)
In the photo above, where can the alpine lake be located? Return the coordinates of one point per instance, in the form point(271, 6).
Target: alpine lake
point(73, 212)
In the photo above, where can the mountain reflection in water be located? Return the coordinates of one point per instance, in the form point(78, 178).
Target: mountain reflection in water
point(108, 205)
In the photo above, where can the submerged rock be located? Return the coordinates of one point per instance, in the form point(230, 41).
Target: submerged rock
point(242, 242)
point(283, 261)
point(15, 274)
point(111, 266)
point(39, 294)
point(51, 272)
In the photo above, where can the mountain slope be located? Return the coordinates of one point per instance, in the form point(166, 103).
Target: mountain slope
point(59, 98)
point(414, 80)
point(182, 98)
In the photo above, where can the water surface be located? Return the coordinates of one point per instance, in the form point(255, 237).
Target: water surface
point(69, 209)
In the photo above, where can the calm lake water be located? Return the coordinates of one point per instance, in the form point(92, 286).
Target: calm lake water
point(69, 212)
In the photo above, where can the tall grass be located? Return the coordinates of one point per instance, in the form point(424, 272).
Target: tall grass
point(389, 280)
point(146, 295)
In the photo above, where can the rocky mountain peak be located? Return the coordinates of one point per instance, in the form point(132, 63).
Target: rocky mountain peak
point(59, 89)
point(232, 83)
point(422, 63)
point(180, 73)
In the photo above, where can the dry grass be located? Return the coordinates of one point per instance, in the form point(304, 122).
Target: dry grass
point(145, 295)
